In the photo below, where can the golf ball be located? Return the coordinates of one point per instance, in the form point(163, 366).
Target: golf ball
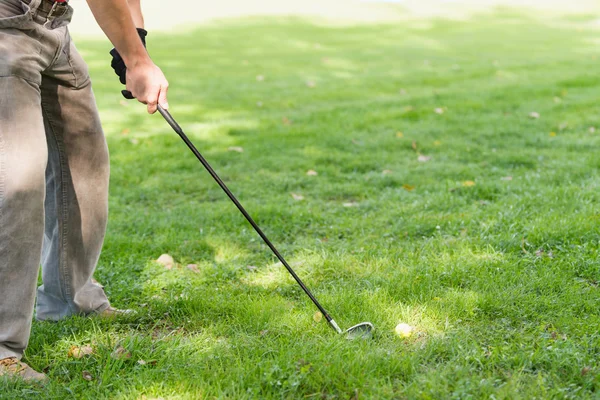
point(404, 330)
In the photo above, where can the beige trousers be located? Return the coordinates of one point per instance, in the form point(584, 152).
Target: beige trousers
point(54, 173)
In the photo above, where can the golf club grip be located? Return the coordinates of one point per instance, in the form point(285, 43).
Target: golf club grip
point(171, 121)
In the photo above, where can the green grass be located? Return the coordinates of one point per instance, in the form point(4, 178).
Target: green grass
point(500, 278)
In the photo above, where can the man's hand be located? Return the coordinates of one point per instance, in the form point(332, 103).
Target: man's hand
point(144, 79)
point(147, 83)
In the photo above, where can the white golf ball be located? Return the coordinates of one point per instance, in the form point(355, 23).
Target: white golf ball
point(404, 330)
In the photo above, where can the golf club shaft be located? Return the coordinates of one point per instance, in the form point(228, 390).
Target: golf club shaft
point(167, 116)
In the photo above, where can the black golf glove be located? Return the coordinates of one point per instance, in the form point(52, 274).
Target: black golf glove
point(117, 62)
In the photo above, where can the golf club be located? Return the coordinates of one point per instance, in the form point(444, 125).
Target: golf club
point(362, 330)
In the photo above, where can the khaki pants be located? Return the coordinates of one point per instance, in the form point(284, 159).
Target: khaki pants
point(53, 173)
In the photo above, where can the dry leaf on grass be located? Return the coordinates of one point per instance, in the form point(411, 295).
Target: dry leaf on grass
point(311, 172)
point(193, 268)
point(237, 149)
point(317, 317)
point(166, 261)
point(120, 353)
point(79, 352)
point(86, 375)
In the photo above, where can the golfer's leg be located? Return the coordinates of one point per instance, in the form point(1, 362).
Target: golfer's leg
point(23, 156)
point(77, 198)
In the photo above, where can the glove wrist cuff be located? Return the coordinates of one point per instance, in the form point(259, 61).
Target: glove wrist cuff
point(142, 32)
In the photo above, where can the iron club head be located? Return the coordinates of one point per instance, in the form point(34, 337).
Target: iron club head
point(359, 331)
point(364, 330)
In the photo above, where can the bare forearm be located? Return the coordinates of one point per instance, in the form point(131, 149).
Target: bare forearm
point(116, 20)
point(135, 7)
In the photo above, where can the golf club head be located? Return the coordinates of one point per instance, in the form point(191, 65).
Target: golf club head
point(364, 330)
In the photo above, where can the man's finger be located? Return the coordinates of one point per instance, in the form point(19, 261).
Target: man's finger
point(152, 103)
point(152, 107)
point(162, 97)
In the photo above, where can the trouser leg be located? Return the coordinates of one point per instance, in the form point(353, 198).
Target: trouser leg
point(76, 204)
point(23, 156)
point(77, 191)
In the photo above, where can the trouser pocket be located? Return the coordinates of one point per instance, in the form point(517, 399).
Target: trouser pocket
point(16, 13)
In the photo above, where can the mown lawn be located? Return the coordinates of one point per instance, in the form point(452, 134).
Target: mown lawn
point(440, 201)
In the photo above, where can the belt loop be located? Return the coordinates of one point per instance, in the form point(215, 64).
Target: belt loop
point(58, 10)
point(50, 17)
point(33, 6)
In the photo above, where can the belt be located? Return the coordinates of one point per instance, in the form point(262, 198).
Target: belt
point(51, 9)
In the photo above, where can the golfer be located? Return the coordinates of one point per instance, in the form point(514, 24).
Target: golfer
point(54, 164)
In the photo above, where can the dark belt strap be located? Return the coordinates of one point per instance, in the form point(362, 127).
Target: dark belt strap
point(52, 9)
